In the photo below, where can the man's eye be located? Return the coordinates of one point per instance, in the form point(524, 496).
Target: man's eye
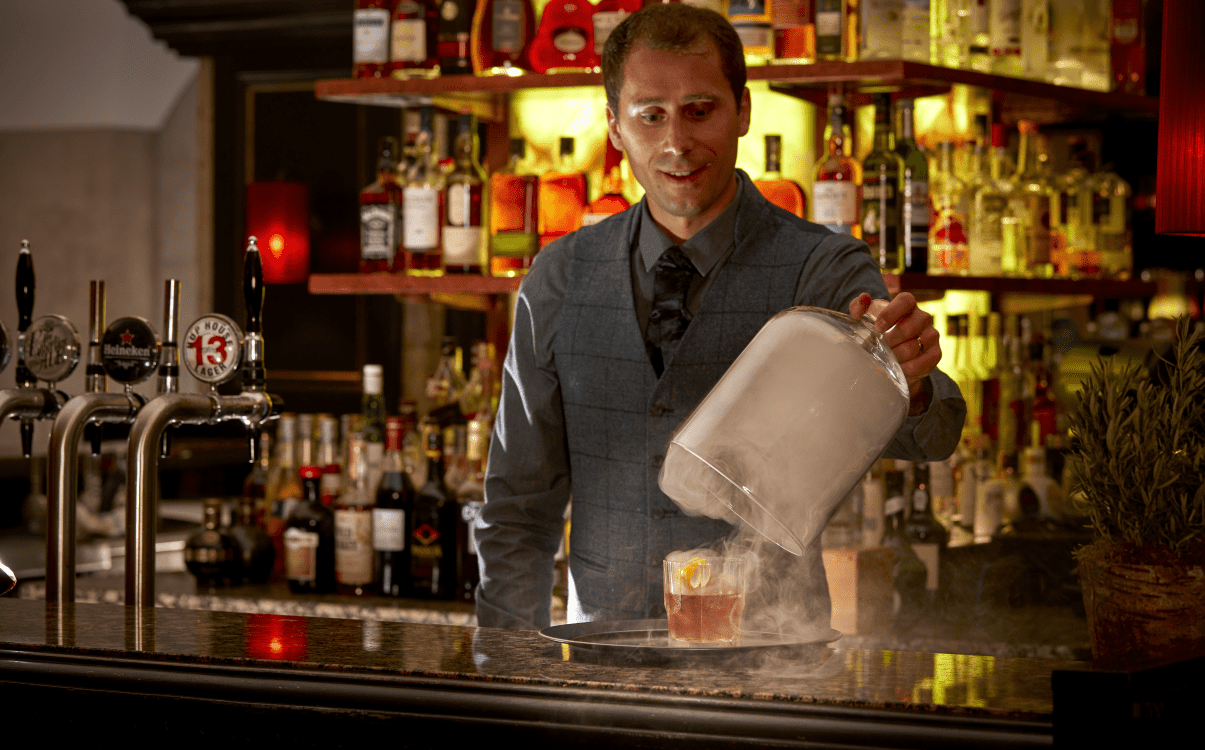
point(650, 117)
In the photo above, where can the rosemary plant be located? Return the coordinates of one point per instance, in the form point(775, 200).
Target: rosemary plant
point(1138, 449)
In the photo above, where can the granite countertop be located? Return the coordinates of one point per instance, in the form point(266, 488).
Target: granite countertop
point(964, 685)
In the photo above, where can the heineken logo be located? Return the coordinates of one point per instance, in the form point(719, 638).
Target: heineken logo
point(130, 350)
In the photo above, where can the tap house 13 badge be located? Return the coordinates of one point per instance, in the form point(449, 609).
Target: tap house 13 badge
point(212, 348)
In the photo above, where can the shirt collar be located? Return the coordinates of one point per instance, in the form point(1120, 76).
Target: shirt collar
point(706, 248)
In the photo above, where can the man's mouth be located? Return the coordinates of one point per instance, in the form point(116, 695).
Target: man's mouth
point(683, 174)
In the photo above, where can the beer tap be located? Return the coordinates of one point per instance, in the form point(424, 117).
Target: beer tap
point(128, 352)
point(47, 349)
point(214, 348)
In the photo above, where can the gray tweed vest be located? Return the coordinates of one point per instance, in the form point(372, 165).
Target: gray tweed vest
point(620, 417)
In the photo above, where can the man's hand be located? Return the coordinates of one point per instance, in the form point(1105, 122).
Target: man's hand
point(909, 331)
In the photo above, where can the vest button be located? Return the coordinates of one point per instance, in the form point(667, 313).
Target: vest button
point(657, 461)
point(655, 315)
point(657, 410)
point(658, 514)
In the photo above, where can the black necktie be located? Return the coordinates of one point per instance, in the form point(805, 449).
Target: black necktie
point(669, 317)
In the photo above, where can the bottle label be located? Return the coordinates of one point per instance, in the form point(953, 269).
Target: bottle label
point(372, 35)
point(388, 529)
point(424, 545)
point(353, 547)
point(378, 230)
point(420, 225)
point(462, 246)
point(409, 39)
point(459, 205)
point(1005, 27)
point(301, 555)
point(514, 244)
point(569, 41)
point(508, 26)
point(835, 202)
point(604, 23)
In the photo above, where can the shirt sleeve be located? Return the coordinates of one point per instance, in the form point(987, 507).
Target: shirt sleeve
point(527, 482)
point(838, 270)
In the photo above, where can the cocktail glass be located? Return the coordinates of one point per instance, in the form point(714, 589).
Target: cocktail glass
point(704, 599)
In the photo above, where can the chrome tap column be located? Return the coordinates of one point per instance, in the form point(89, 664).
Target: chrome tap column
point(128, 352)
point(215, 347)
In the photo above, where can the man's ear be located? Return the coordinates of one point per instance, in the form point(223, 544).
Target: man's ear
point(613, 129)
point(746, 104)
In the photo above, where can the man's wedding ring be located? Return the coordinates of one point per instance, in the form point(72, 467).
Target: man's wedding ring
point(921, 344)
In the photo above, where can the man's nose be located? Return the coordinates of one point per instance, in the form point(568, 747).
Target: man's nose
point(679, 135)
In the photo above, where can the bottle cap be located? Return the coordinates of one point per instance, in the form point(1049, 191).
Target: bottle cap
point(374, 379)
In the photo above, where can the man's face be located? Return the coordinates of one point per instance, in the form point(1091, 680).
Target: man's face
point(679, 125)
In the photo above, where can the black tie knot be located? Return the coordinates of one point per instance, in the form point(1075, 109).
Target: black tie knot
point(667, 323)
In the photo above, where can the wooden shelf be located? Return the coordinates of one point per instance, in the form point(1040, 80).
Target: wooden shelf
point(387, 283)
point(1019, 98)
point(919, 282)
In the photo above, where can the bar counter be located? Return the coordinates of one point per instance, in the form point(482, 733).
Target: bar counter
point(226, 676)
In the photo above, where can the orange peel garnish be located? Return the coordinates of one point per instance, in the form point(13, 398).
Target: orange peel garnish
point(695, 573)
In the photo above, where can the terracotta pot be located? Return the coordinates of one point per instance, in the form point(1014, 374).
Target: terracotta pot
point(1141, 615)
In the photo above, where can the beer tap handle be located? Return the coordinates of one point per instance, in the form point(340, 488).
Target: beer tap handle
point(253, 295)
point(94, 372)
point(25, 295)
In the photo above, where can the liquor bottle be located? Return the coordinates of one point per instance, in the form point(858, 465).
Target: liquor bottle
point(310, 541)
point(611, 201)
point(1073, 250)
point(476, 391)
point(925, 534)
point(1031, 203)
point(1035, 39)
point(562, 195)
point(432, 529)
point(305, 439)
point(471, 498)
point(1004, 29)
point(914, 31)
point(966, 481)
point(879, 33)
point(959, 370)
point(465, 243)
point(284, 487)
point(390, 516)
point(880, 217)
point(780, 191)
point(832, 39)
point(909, 574)
point(1011, 410)
point(753, 21)
point(949, 248)
point(501, 38)
point(914, 193)
point(370, 45)
point(989, 206)
point(412, 44)
point(447, 383)
point(1127, 47)
point(255, 486)
point(454, 31)
point(422, 199)
point(414, 454)
point(1111, 221)
point(256, 553)
point(514, 215)
point(327, 457)
point(991, 483)
point(607, 15)
point(872, 505)
point(978, 34)
point(380, 213)
point(948, 33)
point(836, 177)
point(942, 492)
point(990, 400)
point(1047, 493)
point(794, 32)
point(354, 556)
point(564, 41)
point(372, 428)
point(211, 554)
point(1079, 44)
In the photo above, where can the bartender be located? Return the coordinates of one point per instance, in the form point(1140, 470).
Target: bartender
point(623, 327)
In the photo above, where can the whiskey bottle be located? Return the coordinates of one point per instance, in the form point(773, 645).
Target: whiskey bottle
point(394, 505)
point(310, 541)
point(832, 41)
point(327, 458)
point(432, 528)
point(780, 191)
point(447, 383)
point(372, 427)
point(412, 48)
point(1111, 223)
point(212, 555)
point(753, 21)
point(562, 196)
point(794, 32)
point(354, 556)
point(607, 15)
point(455, 30)
point(422, 195)
point(1031, 203)
point(514, 215)
point(370, 45)
point(611, 201)
point(914, 193)
point(465, 243)
point(284, 487)
point(256, 553)
point(880, 218)
point(501, 37)
point(948, 243)
point(564, 41)
point(380, 213)
point(836, 178)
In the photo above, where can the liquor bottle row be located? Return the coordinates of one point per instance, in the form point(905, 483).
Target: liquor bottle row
point(1094, 44)
point(365, 504)
point(998, 217)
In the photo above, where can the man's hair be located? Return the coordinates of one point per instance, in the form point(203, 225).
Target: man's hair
point(672, 27)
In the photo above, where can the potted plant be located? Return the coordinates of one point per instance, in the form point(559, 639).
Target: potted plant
point(1138, 462)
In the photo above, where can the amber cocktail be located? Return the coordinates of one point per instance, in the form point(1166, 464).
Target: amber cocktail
point(704, 599)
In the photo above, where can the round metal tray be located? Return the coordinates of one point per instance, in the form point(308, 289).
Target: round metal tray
point(646, 643)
